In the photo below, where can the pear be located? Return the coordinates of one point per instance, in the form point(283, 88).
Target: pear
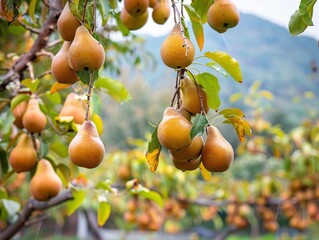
point(177, 51)
point(75, 107)
point(186, 114)
point(23, 156)
point(34, 120)
point(217, 154)
point(222, 14)
point(161, 12)
point(190, 96)
point(67, 23)
point(189, 165)
point(136, 7)
point(60, 68)
point(193, 151)
point(173, 131)
point(85, 52)
point(45, 183)
point(86, 148)
point(18, 113)
point(133, 22)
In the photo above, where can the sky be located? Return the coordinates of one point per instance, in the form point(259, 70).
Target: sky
point(276, 11)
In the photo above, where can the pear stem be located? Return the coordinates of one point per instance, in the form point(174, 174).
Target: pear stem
point(89, 96)
point(94, 17)
point(199, 94)
point(84, 11)
point(177, 88)
point(178, 14)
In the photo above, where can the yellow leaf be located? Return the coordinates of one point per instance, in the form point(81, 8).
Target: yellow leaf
point(205, 173)
point(64, 119)
point(98, 123)
point(152, 159)
point(57, 87)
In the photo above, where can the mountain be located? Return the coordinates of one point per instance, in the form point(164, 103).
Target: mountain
point(267, 53)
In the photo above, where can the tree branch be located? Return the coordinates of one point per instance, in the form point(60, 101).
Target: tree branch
point(16, 71)
point(31, 206)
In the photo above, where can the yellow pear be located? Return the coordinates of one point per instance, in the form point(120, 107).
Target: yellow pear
point(18, 113)
point(75, 107)
point(133, 22)
point(189, 165)
point(60, 68)
point(152, 3)
point(177, 51)
point(85, 52)
point(45, 183)
point(23, 156)
point(34, 120)
point(222, 14)
point(67, 23)
point(193, 151)
point(86, 148)
point(136, 7)
point(190, 96)
point(186, 114)
point(161, 12)
point(174, 130)
point(217, 154)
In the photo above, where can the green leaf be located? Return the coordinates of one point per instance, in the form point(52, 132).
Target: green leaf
point(59, 148)
point(196, 25)
point(32, 6)
point(84, 76)
point(201, 7)
point(78, 198)
point(3, 163)
point(210, 83)
point(230, 64)
point(105, 185)
point(296, 24)
point(64, 173)
point(186, 32)
point(54, 98)
point(232, 112)
point(153, 152)
point(44, 149)
point(12, 207)
point(198, 126)
point(18, 99)
point(31, 84)
point(149, 194)
point(103, 213)
point(306, 11)
point(114, 88)
point(120, 25)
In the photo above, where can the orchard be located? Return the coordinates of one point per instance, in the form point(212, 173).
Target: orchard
point(201, 166)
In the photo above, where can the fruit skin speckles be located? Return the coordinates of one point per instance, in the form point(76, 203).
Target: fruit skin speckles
point(174, 52)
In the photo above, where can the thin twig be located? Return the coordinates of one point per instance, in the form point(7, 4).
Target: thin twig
point(94, 17)
point(30, 68)
point(44, 73)
point(89, 95)
point(27, 27)
point(84, 11)
point(45, 53)
point(53, 43)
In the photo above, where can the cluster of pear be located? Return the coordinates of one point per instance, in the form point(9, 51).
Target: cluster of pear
point(268, 214)
point(28, 115)
point(301, 197)
point(216, 154)
point(177, 51)
point(134, 13)
point(80, 50)
point(144, 213)
point(222, 15)
point(237, 214)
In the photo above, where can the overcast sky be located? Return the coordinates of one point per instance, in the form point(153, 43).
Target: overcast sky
point(277, 11)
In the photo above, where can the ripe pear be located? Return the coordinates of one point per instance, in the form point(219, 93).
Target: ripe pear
point(189, 165)
point(23, 156)
point(133, 22)
point(67, 23)
point(34, 120)
point(177, 51)
point(173, 131)
point(222, 14)
point(85, 52)
point(45, 183)
point(217, 154)
point(161, 12)
point(75, 107)
point(193, 151)
point(60, 66)
point(190, 96)
point(18, 113)
point(136, 7)
point(186, 114)
point(86, 148)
